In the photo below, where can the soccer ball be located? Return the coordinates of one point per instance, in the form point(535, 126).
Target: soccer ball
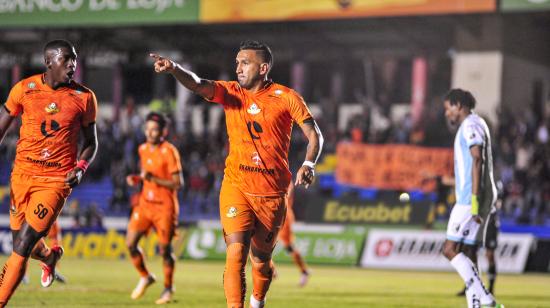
point(404, 197)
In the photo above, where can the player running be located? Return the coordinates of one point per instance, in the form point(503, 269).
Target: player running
point(286, 236)
point(54, 110)
point(161, 174)
point(474, 188)
point(259, 116)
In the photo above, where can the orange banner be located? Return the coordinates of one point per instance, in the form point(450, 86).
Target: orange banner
point(394, 167)
point(271, 10)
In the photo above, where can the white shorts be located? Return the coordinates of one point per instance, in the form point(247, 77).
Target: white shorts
point(462, 228)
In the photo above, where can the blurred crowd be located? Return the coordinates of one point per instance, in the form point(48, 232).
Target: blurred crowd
point(520, 142)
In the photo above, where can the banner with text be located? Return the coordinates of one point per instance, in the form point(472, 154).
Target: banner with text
point(90, 244)
point(27, 13)
point(271, 10)
point(352, 210)
point(394, 167)
point(317, 247)
point(422, 250)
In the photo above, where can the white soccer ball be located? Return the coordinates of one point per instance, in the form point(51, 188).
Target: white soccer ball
point(404, 197)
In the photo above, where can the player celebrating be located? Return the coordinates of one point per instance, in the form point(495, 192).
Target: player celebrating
point(158, 207)
point(259, 117)
point(286, 236)
point(474, 188)
point(54, 109)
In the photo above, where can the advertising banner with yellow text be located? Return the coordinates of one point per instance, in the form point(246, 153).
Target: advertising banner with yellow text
point(213, 11)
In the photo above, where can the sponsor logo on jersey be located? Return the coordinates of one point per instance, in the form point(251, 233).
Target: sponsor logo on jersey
point(253, 109)
point(245, 168)
point(256, 159)
point(52, 108)
point(44, 163)
point(232, 212)
point(45, 153)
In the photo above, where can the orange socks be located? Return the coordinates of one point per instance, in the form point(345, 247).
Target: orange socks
point(262, 273)
point(11, 276)
point(234, 281)
point(139, 263)
point(299, 261)
point(168, 274)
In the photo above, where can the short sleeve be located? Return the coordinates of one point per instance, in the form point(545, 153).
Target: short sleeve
point(14, 104)
point(91, 110)
point(220, 92)
point(473, 134)
point(173, 159)
point(298, 108)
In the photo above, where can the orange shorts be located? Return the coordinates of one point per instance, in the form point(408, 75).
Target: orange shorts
point(286, 236)
point(37, 202)
point(264, 216)
point(146, 216)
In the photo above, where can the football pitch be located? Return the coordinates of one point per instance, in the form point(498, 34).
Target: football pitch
point(108, 283)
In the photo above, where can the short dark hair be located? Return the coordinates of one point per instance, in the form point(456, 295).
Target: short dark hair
point(55, 44)
point(462, 97)
point(157, 117)
point(263, 50)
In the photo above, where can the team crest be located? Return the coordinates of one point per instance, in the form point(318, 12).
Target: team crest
point(278, 92)
point(52, 108)
point(77, 92)
point(31, 85)
point(232, 212)
point(253, 109)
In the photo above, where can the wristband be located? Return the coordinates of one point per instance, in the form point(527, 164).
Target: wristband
point(83, 165)
point(475, 205)
point(309, 164)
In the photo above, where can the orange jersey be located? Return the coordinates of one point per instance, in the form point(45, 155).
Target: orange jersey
point(162, 161)
point(259, 126)
point(51, 123)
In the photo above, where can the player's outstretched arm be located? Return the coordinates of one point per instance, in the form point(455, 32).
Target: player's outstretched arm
point(306, 173)
point(188, 79)
point(87, 155)
point(5, 122)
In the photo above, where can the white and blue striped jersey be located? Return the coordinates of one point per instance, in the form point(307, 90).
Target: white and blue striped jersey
point(474, 131)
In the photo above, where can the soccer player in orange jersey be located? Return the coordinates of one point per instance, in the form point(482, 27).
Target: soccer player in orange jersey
point(158, 206)
point(54, 111)
point(286, 236)
point(259, 115)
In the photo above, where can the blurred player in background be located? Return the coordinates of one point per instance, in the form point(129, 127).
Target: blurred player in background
point(54, 111)
point(286, 236)
point(161, 174)
point(475, 191)
point(259, 116)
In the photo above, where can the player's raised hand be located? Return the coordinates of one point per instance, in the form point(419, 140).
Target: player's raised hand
point(305, 176)
point(162, 65)
point(74, 177)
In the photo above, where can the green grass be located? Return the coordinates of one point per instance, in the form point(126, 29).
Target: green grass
point(106, 283)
